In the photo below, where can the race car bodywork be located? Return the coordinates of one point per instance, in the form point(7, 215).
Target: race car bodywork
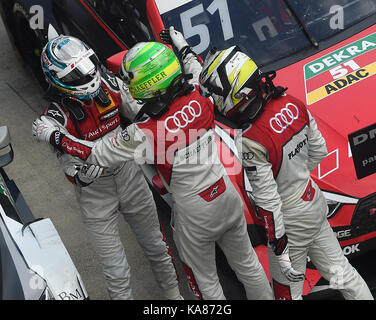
point(35, 264)
point(340, 98)
point(107, 30)
point(323, 51)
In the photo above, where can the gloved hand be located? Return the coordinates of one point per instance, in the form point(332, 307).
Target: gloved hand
point(171, 36)
point(42, 129)
point(290, 273)
point(281, 250)
point(88, 173)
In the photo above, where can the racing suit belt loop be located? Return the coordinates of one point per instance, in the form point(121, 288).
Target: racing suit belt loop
point(214, 190)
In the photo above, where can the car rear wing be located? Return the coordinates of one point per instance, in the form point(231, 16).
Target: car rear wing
point(6, 150)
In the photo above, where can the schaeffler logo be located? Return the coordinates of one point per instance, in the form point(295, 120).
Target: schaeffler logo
point(183, 117)
point(283, 119)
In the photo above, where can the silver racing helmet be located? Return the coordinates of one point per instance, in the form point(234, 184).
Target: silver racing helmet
point(72, 67)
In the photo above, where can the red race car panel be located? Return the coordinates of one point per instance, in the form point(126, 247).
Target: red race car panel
point(337, 87)
point(336, 84)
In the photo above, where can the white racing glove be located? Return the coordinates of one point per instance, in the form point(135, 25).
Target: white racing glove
point(290, 273)
point(281, 250)
point(171, 36)
point(88, 173)
point(43, 128)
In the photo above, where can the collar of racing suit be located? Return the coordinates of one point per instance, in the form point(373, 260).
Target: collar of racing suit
point(74, 105)
point(266, 92)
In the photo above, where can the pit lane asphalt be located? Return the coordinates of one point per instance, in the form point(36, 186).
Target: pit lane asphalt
point(48, 193)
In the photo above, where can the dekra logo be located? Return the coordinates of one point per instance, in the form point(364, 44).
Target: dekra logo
point(364, 137)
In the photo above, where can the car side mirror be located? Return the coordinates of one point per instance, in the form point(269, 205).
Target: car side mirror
point(114, 62)
point(6, 156)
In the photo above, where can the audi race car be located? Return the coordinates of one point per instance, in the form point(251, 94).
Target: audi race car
point(34, 263)
point(323, 51)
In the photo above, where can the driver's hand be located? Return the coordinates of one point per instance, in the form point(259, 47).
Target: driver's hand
point(43, 128)
point(281, 250)
point(171, 36)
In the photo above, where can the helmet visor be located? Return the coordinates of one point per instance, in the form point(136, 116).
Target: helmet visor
point(222, 74)
point(84, 72)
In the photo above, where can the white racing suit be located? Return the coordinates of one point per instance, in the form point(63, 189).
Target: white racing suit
point(207, 208)
point(121, 188)
point(280, 149)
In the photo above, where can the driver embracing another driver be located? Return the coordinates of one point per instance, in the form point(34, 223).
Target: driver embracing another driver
point(283, 145)
point(87, 103)
point(177, 136)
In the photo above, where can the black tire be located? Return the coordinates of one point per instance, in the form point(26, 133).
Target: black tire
point(28, 44)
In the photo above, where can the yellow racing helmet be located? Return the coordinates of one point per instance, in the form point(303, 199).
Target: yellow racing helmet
point(233, 80)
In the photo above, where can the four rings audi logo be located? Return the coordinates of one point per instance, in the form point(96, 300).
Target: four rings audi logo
point(284, 118)
point(183, 117)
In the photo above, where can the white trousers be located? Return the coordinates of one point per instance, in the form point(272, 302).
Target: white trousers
point(198, 224)
point(327, 256)
point(126, 192)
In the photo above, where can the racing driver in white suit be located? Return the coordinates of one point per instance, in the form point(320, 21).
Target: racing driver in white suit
point(281, 145)
point(87, 103)
point(178, 138)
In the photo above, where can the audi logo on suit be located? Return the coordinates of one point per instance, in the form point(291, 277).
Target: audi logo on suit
point(284, 118)
point(183, 117)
